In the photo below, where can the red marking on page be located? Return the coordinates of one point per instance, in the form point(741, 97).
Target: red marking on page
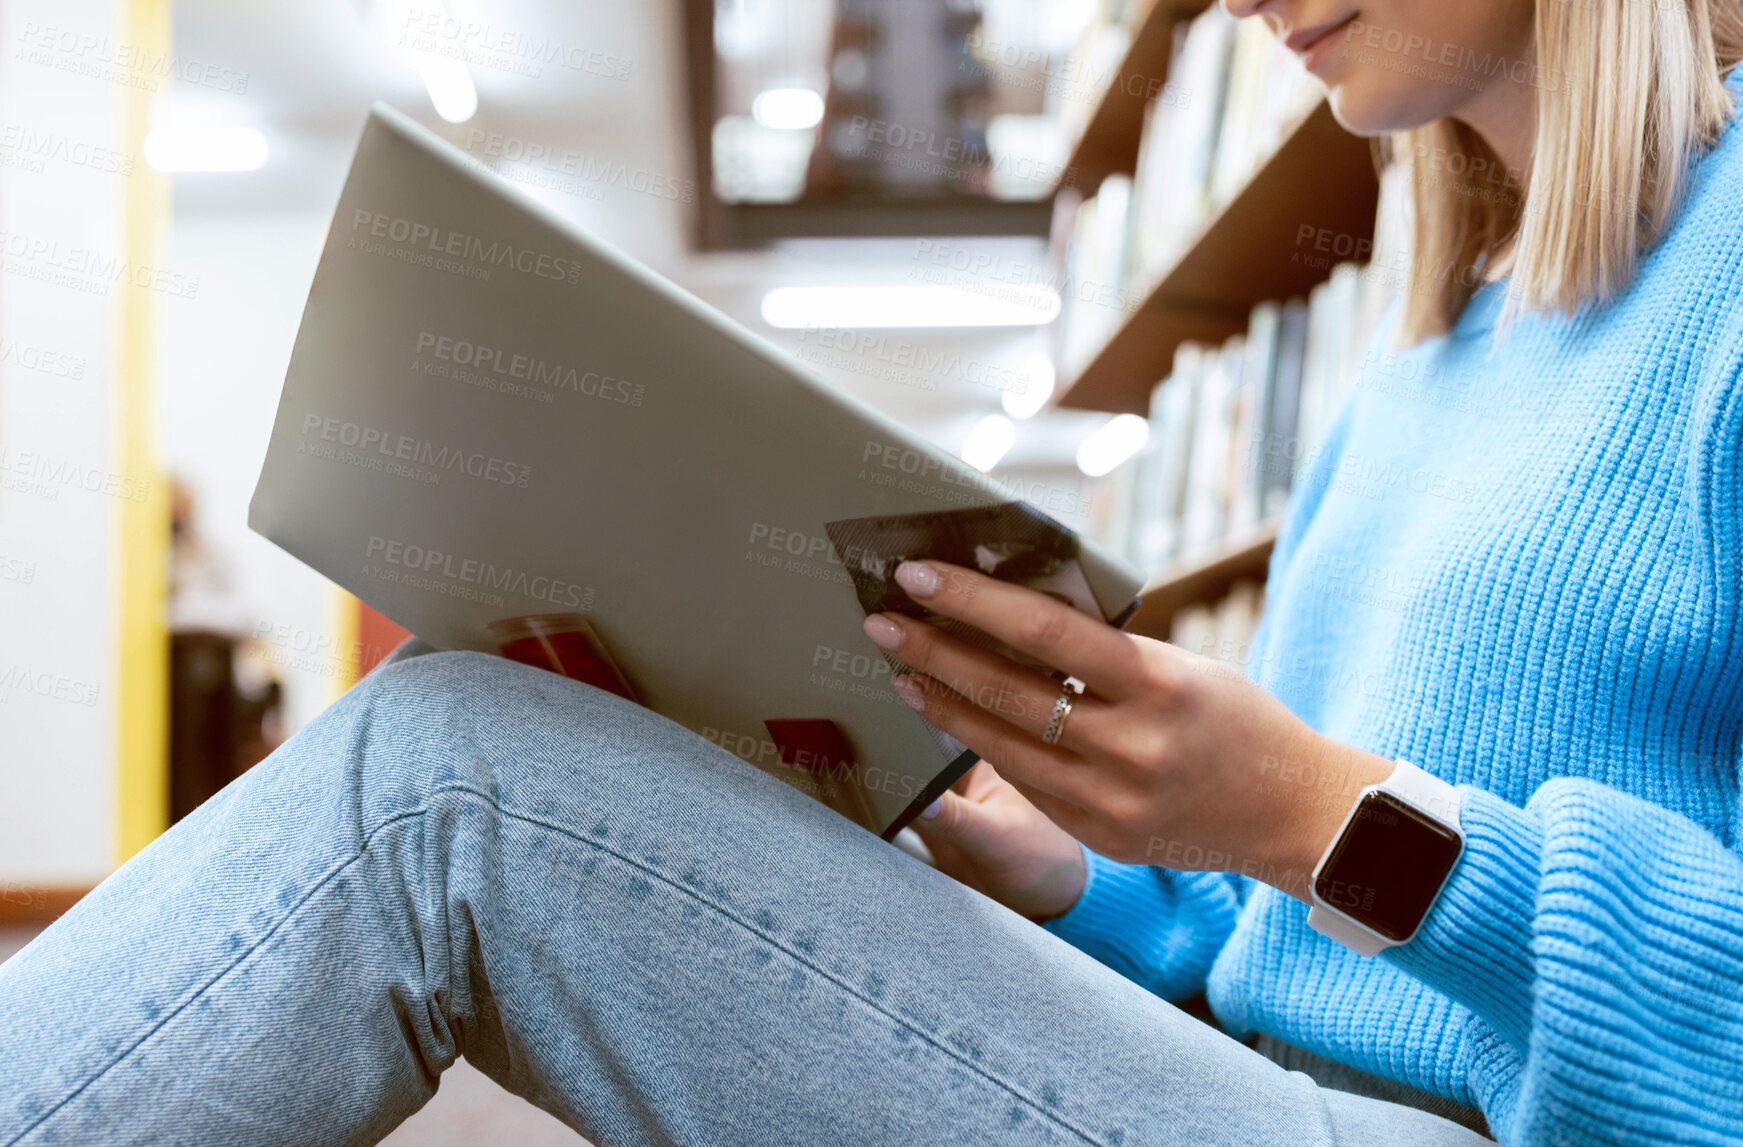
point(811, 742)
point(565, 644)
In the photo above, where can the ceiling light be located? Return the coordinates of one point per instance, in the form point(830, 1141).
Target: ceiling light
point(205, 149)
point(792, 108)
point(988, 441)
point(1117, 440)
point(450, 87)
point(1037, 378)
point(799, 308)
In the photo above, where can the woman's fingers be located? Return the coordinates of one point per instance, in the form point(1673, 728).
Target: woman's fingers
point(978, 782)
point(1051, 632)
point(1023, 696)
point(952, 815)
point(1066, 815)
point(1017, 756)
point(955, 821)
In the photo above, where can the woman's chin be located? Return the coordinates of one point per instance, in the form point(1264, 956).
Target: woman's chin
point(1367, 113)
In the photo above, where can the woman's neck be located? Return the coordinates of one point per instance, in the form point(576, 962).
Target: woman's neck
point(1505, 115)
point(1510, 132)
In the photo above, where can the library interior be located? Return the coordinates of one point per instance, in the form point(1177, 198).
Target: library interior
point(1155, 271)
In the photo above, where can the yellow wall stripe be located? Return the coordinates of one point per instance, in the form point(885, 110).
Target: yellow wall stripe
point(142, 573)
point(345, 613)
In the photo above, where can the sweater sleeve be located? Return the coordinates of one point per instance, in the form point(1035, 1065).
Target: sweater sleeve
point(1596, 936)
point(1159, 928)
point(1599, 940)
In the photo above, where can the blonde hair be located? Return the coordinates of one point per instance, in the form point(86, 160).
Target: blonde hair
point(1627, 92)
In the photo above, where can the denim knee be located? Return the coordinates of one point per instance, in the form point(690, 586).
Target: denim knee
point(458, 669)
point(473, 681)
point(445, 721)
point(481, 722)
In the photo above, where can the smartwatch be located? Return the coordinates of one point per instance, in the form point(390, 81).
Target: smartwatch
point(1385, 867)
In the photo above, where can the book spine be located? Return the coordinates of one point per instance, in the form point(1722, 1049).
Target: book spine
point(1280, 447)
point(1261, 374)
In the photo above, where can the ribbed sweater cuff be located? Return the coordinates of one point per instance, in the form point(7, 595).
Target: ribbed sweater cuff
point(1158, 928)
point(1475, 945)
point(1118, 900)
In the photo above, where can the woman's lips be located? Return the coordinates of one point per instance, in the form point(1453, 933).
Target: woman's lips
point(1312, 45)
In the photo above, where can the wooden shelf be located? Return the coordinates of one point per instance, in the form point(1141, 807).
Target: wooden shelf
point(37, 907)
point(1203, 581)
point(1309, 207)
point(1109, 143)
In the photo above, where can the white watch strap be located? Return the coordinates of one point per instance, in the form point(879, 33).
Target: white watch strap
point(1426, 791)
point(1414, 787)
point(1358, 938)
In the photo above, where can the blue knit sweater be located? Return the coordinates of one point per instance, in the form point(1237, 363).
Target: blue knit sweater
point(1519, 564)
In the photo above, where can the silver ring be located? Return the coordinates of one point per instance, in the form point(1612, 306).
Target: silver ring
point(1061, 710)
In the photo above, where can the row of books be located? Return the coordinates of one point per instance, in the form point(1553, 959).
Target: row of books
point(1233, 90)
point(1233, 426)
point(1093, 63)
point(1222, 631)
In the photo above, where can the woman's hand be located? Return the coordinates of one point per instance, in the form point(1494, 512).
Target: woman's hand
point(985, 834)
point(1167, 758)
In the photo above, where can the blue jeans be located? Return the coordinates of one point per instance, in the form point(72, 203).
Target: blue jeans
point(612, 917)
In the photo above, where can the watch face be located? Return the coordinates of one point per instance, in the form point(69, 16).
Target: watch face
point(1388, 866)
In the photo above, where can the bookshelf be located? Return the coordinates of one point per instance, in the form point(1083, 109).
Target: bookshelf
point(1321, 177)
point(1281, 217)
point(1203, 580)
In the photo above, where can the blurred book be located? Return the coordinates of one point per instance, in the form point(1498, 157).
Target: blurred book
point(1206, 511)
point(1192, 121)
point(1264, 335)
point(1095, 302)
point(1274, 447)
point(1167, 453)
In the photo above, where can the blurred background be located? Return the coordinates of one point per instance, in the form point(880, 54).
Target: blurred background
point(1113, 252)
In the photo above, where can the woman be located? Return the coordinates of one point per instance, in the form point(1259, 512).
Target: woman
point(1538, 601)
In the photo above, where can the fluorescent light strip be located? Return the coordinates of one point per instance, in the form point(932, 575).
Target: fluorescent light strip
point(205, 149)
point(1115, 441)
point(988, 442)
point(793, 109)
point(800, 308)
point(1038, 377)
point(450, 87)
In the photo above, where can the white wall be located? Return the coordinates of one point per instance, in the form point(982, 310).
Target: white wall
point(59, 497)
point(223, 366)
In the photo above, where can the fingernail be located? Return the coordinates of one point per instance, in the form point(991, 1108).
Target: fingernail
point(885, 633)
point(918, 579)
point(909, 690)
point(932, 809)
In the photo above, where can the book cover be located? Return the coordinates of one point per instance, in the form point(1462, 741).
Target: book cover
point(501, 432)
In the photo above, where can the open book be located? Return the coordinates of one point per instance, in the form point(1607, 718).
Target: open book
point(507, 436)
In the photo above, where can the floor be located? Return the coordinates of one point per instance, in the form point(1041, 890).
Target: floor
point(469, 1109)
